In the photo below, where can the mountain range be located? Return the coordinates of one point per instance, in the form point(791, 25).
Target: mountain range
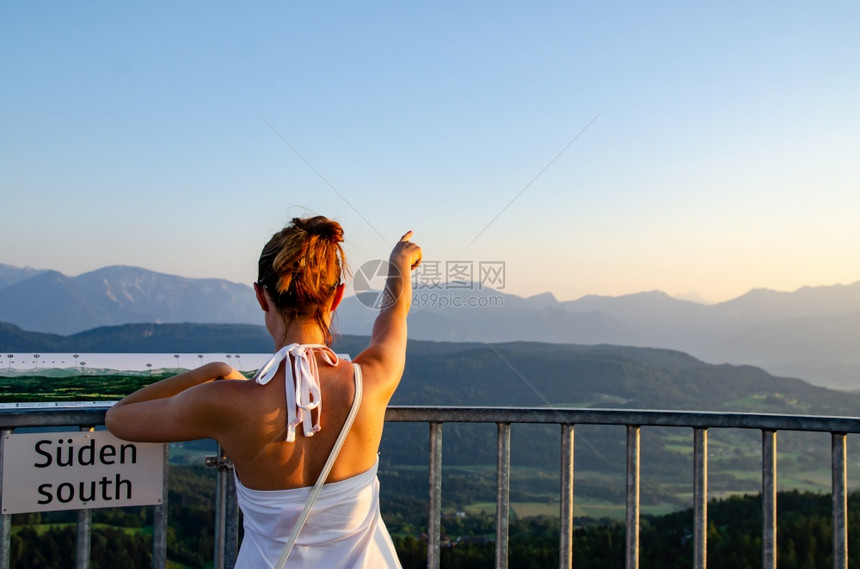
point(812, 333)
point(48, 301)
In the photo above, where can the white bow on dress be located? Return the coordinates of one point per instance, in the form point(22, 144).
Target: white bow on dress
point(303, 395)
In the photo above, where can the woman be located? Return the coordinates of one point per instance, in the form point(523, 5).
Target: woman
point(279, 428)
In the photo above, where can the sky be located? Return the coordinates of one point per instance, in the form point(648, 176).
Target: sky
point(591, 148)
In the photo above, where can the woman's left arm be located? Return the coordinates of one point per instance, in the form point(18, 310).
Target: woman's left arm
point(182, 407)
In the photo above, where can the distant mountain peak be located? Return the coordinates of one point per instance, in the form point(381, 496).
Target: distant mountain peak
point(10, 275)
point(542, 300)
point(125, 271)
point(648, 295)
point(692, 296)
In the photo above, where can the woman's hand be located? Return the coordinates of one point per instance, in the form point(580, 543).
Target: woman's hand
point(221, 370)
point(406, 253)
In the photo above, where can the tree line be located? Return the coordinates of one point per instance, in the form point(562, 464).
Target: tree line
point(123, 537)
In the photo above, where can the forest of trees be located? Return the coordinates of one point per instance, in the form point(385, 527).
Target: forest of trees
point(734, 538)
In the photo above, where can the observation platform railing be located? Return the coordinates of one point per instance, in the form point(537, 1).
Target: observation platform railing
point(504, 417)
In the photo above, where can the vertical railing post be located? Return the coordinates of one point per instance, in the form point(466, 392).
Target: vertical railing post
point(82, 539)
point(231, 511)
point(159, 519)
point(220, 520)
point(503, 497)
point(225, 512)
point(566, 530)
point(840, 501)
point(700, 497)
point(768, 499)
point(6, 519)
point(434, 523)
point(632, 556)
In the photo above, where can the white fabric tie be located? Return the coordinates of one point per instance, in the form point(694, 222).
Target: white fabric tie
point(303, 395)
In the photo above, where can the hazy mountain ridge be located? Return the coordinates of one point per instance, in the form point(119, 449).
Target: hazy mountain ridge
point(10, 275)
point(52, 302)
point(810, 333)
point(143, 338)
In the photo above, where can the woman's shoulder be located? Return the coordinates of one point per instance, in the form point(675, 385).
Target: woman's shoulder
point(227, 396)
point(378, 378)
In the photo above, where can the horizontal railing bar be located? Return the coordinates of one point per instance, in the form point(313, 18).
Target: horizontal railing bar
point(623, 417)
point(58, 416)
point(53, 417)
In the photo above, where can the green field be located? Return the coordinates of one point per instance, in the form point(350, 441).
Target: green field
point(73, 387)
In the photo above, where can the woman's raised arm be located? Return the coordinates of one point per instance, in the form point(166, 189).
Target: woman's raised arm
point(386, 355)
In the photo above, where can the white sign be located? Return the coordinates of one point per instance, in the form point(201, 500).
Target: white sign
point(78, 470)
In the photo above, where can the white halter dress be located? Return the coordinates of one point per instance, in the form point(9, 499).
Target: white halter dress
point(344, 529)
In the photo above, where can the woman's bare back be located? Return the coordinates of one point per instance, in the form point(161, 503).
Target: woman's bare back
point(258, 448)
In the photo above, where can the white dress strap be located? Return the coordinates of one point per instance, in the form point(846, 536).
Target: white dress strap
point(303, 393)
point(350, 418)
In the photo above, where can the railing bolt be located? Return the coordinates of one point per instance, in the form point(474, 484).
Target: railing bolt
point(222, 463)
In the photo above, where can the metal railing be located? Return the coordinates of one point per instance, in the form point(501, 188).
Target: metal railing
point(633, 420)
